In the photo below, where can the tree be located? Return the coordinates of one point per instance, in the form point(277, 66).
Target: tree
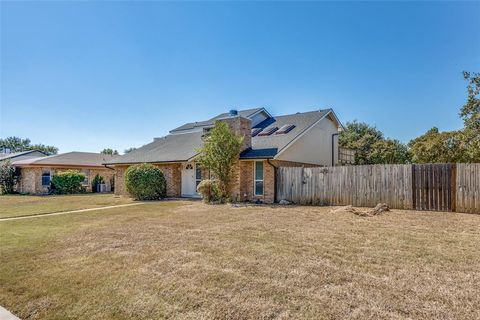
point(129, 150)
point(109, 151)
point(438, 147)
point(219, 154)
point(370, 146)
point(470, 113)
point(16, 144)
point(389, 151)
point(8, 177)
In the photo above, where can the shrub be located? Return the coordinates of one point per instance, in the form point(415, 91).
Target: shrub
point(210, 190)
point(98, 179)
point(68, 182)
point(8, 178)
point(145, 182)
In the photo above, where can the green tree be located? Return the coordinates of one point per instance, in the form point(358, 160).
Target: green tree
point(109, 151)
point(219, 154)
point(8, 177)
point(16, 144)
point(470, 113)
point(389, 151)
point(438, 147)
point(370, 146)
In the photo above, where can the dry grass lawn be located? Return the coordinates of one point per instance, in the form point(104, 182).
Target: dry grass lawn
point(20, 205)
point(187, 260)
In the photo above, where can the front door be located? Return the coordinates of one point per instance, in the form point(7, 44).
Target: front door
point(189, 188)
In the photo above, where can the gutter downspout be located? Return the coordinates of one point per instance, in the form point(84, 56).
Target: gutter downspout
point(333, 148)
point(274, 181)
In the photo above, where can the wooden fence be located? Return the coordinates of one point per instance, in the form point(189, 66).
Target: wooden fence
point(441, 187)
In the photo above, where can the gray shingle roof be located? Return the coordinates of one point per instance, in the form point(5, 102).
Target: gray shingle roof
point(182, 147)
point(269, 146)
point(243, 113)
point(74, 159)
point(171, 148)
point(18, 154)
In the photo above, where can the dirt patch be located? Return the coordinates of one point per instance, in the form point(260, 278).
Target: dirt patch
point(379, 209)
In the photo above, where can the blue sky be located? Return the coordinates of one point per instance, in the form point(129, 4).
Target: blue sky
point(88, 75)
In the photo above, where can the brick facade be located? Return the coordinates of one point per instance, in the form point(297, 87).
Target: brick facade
point(171, 171)
point(31, 178)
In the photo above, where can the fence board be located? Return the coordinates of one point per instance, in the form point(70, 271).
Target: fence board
point(356, 185)
point(468, 188)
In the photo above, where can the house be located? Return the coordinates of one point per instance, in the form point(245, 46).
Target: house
point(300, 139)
point(16, 156)
point(35, 173)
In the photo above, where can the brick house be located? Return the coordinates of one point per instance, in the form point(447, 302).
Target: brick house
point(300, 139)
point(36, 172)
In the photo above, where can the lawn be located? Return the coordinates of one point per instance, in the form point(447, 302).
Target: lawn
point(20, 205)
point(187, 260)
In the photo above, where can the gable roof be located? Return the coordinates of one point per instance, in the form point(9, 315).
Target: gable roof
point(73, 159)
point(269, 146)
point(18, 154)
point(191, 125)
point(182, 147)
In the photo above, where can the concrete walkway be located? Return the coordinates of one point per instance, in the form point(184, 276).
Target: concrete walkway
point(7, 315)
point(67, 212)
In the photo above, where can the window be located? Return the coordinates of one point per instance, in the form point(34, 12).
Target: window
point(285, 129)
point(46, 178)
point(86, 173)
point(258, 183)
point(198, 175)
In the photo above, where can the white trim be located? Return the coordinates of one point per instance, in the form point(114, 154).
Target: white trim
point(260, 111)
point(301, 134)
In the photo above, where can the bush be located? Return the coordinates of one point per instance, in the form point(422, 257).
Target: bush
point(8, 177)
point(98, 179)
point(145, 182)
point(68, 182)
point(210, 190)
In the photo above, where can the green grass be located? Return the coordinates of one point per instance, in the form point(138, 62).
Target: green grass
point(188, 260)
point(20, 205)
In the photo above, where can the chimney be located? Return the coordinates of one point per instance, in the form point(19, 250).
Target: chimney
point(242, 127)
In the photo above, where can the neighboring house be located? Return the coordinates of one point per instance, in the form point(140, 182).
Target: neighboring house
point(36, 173)
point(300, 139)
point(15, 156)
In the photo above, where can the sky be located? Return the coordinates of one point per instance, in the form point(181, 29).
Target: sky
point(84, 76)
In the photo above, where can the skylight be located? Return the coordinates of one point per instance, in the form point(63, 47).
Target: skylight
point(285, 129)
point(256, 131)
point(267, 132)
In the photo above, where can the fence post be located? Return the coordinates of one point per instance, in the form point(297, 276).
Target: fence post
point(454, 187)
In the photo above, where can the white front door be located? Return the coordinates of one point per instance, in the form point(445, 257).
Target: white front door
point(189, 188)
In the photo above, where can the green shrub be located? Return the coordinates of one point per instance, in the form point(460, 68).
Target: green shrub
point(68, 182)
point(98, 179)
point(8, 177)
point(145, 182)
point(210, 190)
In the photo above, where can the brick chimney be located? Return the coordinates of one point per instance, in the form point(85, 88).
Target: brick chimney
point(241, 126)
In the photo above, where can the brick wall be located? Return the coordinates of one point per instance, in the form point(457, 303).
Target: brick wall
point(172, 173)
point(246, 182)
point(242, 127)
point(31, 178)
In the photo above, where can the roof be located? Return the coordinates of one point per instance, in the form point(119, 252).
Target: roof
point(18, 154)
point(171, 148)
point(191, 125)
point(182, 147)
point(269, 146)
point(73, 159)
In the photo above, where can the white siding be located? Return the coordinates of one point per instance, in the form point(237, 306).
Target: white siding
point(315, 146)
